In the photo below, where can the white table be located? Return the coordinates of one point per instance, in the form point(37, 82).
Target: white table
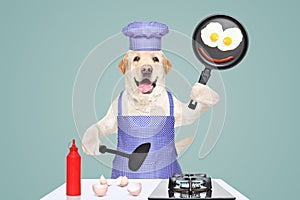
point(116, 192)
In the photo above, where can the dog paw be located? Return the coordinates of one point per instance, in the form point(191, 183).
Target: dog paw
point(204, 94)
point(90, 141)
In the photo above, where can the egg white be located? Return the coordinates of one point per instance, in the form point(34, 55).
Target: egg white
point(213, 27)
point(235, 34)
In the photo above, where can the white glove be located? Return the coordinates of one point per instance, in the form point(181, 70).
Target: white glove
point(90, 141)
point(203, 94)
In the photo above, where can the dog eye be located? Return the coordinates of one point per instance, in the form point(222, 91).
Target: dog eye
point(136, 58)
point(155, 59)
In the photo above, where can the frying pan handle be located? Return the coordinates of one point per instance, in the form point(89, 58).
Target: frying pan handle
point(192, 105)
point(205, 75)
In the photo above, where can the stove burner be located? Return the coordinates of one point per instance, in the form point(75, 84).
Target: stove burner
point(189, 186)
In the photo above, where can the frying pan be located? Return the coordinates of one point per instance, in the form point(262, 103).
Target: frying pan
point(212, 57)
point(135, 160)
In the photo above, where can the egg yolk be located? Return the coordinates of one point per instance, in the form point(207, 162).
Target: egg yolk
point(214, 37)
point(227, 41)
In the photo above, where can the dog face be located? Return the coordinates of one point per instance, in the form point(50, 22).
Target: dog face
point(145, 71)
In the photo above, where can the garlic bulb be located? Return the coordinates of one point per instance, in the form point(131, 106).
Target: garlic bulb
point(134, 188)
point(122, 181)
point(103, 181)
point(100, 190)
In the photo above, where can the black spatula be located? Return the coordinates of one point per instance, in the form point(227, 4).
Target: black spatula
point(137, 157)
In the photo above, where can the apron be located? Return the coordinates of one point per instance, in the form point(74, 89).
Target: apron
point(161, 162)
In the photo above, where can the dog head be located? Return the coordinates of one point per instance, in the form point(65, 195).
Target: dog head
point(145, 71)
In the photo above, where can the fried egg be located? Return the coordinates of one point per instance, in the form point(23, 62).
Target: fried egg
point(211, 34)
point(230, 39)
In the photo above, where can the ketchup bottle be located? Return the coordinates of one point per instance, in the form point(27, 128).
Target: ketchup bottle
point(73, 183)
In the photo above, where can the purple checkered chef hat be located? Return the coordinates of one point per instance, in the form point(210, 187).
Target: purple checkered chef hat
point(145, 36)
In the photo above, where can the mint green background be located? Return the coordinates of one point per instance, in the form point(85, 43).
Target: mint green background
point(43, 43)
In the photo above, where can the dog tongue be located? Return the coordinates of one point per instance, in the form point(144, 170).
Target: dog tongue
point(145, 88)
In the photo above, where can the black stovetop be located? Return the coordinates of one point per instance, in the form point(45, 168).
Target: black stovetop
point(189, 186)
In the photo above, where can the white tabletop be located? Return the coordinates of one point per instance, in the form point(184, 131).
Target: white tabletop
point(116, 192)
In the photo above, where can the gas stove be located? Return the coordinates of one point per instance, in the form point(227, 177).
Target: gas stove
point(189, 186)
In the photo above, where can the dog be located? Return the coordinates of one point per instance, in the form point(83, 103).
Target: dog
point(145, 95)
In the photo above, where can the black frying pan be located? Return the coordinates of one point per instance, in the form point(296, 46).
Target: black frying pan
point(135, 160)
point(213, 57)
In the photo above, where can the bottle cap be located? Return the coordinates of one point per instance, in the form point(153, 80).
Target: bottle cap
point(73, 147)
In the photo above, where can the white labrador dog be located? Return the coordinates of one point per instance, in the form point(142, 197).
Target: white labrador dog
point(145, 95)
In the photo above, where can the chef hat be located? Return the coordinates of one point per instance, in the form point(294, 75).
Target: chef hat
point(145, 36)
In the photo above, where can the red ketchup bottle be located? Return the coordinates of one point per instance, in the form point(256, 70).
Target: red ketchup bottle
point(73, 183)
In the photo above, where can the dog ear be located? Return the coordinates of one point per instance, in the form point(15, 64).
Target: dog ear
point(167, 64)
point(123, 64)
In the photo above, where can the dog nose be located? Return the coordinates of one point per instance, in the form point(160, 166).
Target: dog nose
point(146, 69)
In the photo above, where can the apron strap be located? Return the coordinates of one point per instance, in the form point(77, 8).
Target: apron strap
point(170, 102)
point(120, 104)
